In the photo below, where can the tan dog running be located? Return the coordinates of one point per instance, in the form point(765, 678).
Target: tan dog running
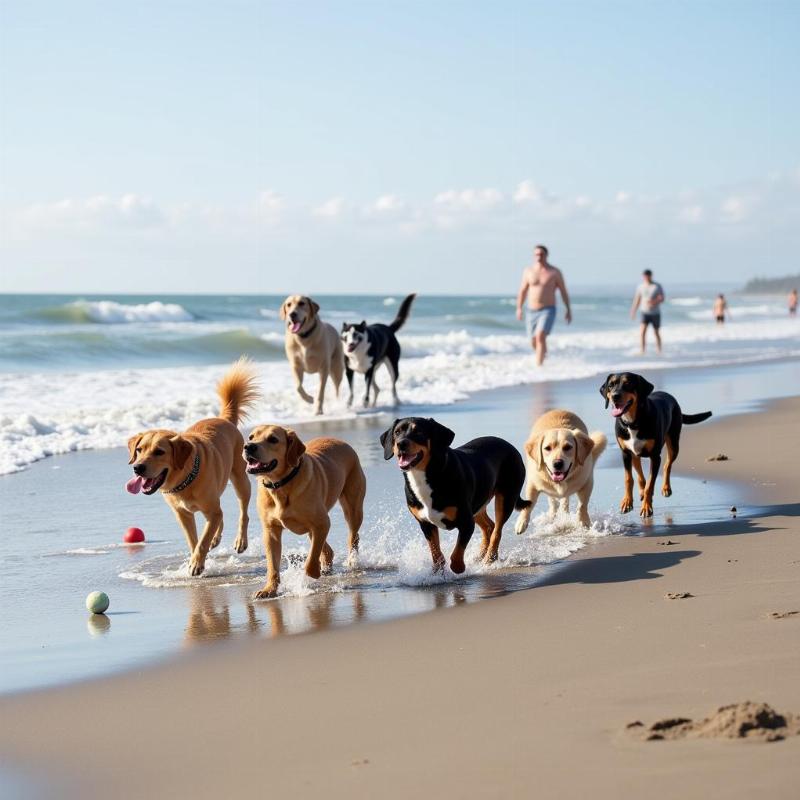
point(561, 455)
point(193, 468)
point(311, 346)
point(299, 484)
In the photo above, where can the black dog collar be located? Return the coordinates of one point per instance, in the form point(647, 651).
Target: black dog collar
point(308, 332)
point(283, 481)
point(188, 479)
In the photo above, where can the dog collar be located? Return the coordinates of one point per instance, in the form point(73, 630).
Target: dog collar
point(188, 479)
point(308, 332)
point(283, 481)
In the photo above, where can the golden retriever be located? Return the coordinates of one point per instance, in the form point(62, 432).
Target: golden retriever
point(561, 455)
point(298, 486)
point(193, 468)
point(311, 346)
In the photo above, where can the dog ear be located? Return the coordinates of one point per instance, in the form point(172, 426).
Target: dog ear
point(181, 450)
point(282, 312)
point(294, 448)
point(345, 326)
point(314, 306)
point(133, 443)
point(583, 444)
point(644, 387)
point(387, 441)
point(363, 324)
point(441, 435)
point(604, 387)
point(533, 447)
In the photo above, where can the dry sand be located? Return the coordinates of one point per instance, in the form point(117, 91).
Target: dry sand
point(528, 694)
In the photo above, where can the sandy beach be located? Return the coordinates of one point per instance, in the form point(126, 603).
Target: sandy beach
point(531, 692)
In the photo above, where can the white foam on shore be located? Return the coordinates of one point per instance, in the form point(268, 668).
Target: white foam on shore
point(391, 556)
point(45, 414)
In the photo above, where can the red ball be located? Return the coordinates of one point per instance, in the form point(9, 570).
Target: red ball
point(134, 535)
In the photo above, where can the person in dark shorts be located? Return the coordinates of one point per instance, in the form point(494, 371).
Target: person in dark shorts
point(649, 297)
point(721, 309)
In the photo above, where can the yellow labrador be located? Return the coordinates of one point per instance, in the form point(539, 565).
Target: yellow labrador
point(561, 455)
point(311, 346)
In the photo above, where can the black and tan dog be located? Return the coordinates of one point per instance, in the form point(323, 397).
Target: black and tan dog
point(645, 422)
point(451, 487)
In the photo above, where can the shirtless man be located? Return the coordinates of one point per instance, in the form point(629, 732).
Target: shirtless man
point(720, 309)
point(539, 283)
point(793, 302)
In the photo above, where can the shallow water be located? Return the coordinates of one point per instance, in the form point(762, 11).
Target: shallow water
point(63, 520)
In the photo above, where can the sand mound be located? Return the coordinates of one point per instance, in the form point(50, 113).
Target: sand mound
point(747, 720)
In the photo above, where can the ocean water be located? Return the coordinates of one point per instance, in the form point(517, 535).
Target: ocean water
point(87, 372)
point(83, 374)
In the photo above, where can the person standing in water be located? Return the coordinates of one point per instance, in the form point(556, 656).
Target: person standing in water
point(649, 295)
point(793, 302)
point(539, 284)
point(720, 309)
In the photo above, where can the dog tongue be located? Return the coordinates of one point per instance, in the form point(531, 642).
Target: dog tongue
point(559, 476)
point(134, 485)
point(295, 327)
point(617, 411)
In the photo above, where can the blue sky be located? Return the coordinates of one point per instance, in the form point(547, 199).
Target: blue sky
point(377, 146)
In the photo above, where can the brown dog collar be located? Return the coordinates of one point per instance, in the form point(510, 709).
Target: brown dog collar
point(283, 481)
point(188, 479)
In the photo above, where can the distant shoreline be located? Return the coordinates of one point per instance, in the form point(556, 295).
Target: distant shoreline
point(771, 285)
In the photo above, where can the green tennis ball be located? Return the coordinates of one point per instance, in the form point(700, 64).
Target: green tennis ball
point(97, 602)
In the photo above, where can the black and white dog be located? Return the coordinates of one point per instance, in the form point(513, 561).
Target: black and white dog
point(366, 347)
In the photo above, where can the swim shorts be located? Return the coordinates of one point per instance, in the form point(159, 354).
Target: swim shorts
point(541, 319)
point(651, 319)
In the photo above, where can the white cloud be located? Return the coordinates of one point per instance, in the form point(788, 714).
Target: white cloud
point(330, 209)
point(468, 199)
point(693, 215)
point(128, 210)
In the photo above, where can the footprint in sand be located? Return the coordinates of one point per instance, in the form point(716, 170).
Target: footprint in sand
point(783, 614)
point(678, 595)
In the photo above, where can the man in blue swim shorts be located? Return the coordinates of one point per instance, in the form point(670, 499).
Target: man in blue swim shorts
point(539, 284)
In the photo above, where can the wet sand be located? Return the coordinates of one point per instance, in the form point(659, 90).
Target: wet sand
point(526, 693)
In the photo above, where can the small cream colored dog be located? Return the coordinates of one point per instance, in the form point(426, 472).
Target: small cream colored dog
point(561, 455)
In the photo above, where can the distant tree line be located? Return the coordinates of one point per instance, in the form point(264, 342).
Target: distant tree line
point(771, 285)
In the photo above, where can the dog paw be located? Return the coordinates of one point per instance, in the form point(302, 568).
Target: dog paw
point(438, 566)
point(266, 593)
point(215, 541)
point(457, 565)
point(584, 520)
point(521, 526)
point(666, 490)
point(646, 510)
point(313, 570)
point(196, 567)
point(240, 545)
point(626, 505)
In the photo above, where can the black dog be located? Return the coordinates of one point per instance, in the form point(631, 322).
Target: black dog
point(450, 488)
point(366, 347)
point(646, 421)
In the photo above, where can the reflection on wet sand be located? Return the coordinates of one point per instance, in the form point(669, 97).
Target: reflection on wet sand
point(220, 612)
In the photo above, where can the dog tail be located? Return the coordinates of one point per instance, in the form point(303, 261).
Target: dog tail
point(238, 391)
point(402, 314)
point(693, 419)
point(600, 442)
